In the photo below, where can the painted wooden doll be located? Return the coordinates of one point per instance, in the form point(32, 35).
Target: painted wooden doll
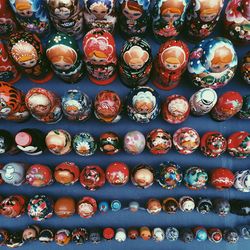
point(237, 21)
point(7, 20)
point(168, 18)
point(27, 52)
point(100, 14)
point(100, 56)
point(212, 63)
point(32, 16)
point(135, 62)
point(64, 56)
point(134, 16)
point(8, 71)
point(44, 105)
point(12, 105)
point(245, 68)
point(67, 16)
point(170, 63)
point(202, 17)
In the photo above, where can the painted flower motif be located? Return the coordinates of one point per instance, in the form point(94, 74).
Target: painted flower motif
point(237, 28)
point(57, 39)
point(204, 26)
point(83, 147)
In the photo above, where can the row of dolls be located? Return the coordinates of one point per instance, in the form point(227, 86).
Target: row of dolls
point(212, 63)
point(167, 17)
point(82, 235)
point(158, 141)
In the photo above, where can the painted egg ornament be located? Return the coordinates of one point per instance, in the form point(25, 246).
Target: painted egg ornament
point(31, 233)
point(65, 207)
point(40, 207)
point(231, 235)
point(168, 18)
point(186, 140)
point(108, 106)
point(92, 177)
point(213, 144)
point(245, 68)
point(169, 175)
point(62, 237)
point(142, 176)
point(135, 61)
point(46, 236)
point(215, 235)
point(221, 206)
point(15, 240)
point(134, 142)
point(133, 233)
point(240, 207)
point(66, 173)
point(84, 144)
point(242, 180)
point(120, 235)
point(158, 234)
point(7, 143)
point(200, 233)
point(175, 109)
point(239, 144)
point(204, 205)
point(244, 231)
point(108, 233)
point(172, 234)
point(99, 53)
point(187, 235)
point(143, 104)
point(170, 205)
point(95, 236)
point(79, 235)
point(212, 63)
point(109, 143)
point(145, 233)
point(134, 206)
point(244, 113)
point(115, 205)
point(186, 204)
point(103, 206)
point(4, 236)
point(86, 207)
point(222, 178)
point(169, 64)
point(153, 206)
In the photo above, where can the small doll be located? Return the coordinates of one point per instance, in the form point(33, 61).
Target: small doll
point(8, 71)
point(64, 56)
point(66, 16)
point(237, 21)
point(32, 16)
point(100, 56)
point(168, 18)
point(202, 17)
point(135, 62)
point(44, 105)
point(212, 63)
point(100, 14)
point(134, 16)
point(26, 51)
point(170, 63)
point(245, 68)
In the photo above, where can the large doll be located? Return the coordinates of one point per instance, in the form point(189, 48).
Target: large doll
point(202, 17)
point(100, 56)
point(32, 15)
point(212, 63)
point(168, 18)
point(67, 16)
point(64, 56)
point(134, 16)
point(100, 14)
point(26, 51)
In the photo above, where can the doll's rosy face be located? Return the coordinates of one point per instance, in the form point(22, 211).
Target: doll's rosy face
point(208, 17)
point(62, 65)
point(131, 14)
point(171, 17)
point(219, 67)
point(136, 63)
point(28, 64)
point(62, 12)
point(172, 66)
point(25, 13)
point(99, 10)
point(144, 106)
point(98, 60)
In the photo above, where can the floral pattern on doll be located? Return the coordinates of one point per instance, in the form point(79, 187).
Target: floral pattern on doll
point(245, 68)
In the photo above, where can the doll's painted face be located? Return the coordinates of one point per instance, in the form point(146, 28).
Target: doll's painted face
point(98, 59)
point(209, 10)
point(62, 64)
point(100, 10)
point(62, 12)
point(132, 10)
point(144, 102)
point(171, 10)
point(173, 58)
point(24, 8)
point(170, 17)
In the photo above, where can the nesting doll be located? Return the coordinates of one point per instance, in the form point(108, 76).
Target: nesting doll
point(100, 14)
point(170, 63)
point(135, 62)
point(67, 16)
point(202, 17)
point(8, 71)
point(7, 20)
point(212, 63)
point(64, 56)
point(32, 16)
point(245, 68)
point(26, 51)
point(168, 18)
point(44, 105)
point(237, 21)
point(100, 56)
point(12, 105)
point(134, 16)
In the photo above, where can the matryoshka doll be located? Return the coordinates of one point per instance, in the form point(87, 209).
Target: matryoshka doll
point(135, 62)
point(63, 53)
point(170, 63)
point(44, 105)
point(237, 21)
point(212, 63)
point(32, 16)
point(245, 67)
point(168, 18)
point(8, 71)
point(202, 17)
point(66, 16)
point(76, 105)
point(100, 56)
point(134, 16)
point(7, 20)
point(100, 14)
point(26, 51)
point(12, 105)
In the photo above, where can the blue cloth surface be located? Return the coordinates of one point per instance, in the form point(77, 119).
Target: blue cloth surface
point(129, 192)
